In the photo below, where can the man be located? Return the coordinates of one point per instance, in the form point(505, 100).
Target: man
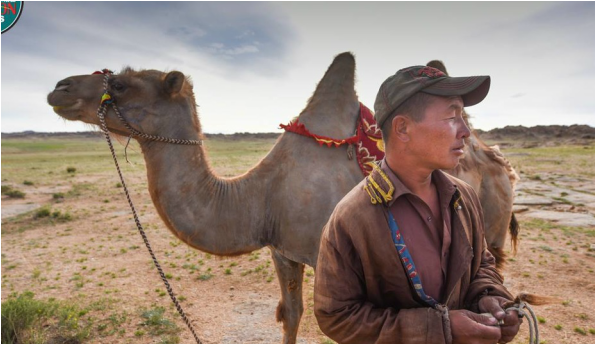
point(403, 257)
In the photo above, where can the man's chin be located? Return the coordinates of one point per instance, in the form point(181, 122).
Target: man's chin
point(451, 165)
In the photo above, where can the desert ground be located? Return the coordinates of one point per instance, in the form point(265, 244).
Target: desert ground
point(70, 241)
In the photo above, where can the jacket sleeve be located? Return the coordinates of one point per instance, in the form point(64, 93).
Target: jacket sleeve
point(341, 307)
point(487, 280)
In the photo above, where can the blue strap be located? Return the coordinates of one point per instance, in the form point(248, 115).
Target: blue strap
point(406, 260)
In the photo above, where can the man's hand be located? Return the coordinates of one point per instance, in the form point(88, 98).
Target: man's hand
point(511, 321)
point(471, 328)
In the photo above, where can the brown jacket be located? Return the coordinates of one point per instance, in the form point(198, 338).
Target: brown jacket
point(362, 293)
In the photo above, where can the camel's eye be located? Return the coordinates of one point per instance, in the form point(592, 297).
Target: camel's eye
point(118, 86)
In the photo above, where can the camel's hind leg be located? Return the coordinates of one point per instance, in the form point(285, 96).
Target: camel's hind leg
point(289, 310)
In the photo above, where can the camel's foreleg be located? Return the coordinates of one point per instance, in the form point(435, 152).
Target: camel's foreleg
point(289, 309)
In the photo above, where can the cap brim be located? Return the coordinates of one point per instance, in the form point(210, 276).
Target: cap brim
point(471, 89)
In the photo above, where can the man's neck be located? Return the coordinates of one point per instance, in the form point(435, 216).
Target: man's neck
point(417, 179)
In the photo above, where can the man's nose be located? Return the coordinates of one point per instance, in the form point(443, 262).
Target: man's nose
point(464, 130)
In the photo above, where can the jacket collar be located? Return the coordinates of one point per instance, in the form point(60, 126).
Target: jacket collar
point(386, 183)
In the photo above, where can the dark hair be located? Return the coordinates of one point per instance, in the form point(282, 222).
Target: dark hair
point(414, 108)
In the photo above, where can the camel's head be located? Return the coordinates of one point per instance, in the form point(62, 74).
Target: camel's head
point(151, 101)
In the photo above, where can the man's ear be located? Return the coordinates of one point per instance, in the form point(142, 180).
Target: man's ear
point(400, 127)
point(173, 82)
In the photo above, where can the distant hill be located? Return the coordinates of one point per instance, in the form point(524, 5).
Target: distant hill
point(537, 133)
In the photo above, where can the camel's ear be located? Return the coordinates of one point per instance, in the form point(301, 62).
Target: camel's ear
point(173, 82)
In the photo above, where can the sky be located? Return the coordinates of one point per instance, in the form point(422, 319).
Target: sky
point(255, 64)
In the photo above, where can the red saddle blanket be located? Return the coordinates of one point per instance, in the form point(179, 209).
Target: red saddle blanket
point(367, 140)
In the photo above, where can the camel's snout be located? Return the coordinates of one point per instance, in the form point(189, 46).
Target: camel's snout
point(63, 85)
point(66, 100)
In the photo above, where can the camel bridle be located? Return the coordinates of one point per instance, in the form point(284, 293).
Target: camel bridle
point(107, 100)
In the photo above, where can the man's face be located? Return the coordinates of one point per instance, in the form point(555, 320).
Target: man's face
point(438, 140)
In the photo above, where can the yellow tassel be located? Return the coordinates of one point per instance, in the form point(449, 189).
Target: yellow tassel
point(106, 97)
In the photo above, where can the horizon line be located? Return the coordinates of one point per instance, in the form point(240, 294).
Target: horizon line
point(99, 131)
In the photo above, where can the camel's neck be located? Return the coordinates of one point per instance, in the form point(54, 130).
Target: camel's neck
point(220, 216)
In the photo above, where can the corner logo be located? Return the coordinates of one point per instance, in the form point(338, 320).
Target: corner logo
point(11, 12)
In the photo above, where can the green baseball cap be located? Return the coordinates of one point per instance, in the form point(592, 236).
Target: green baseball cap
point(396, 89)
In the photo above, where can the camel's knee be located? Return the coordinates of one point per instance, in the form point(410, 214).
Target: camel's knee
point(289, 311)
point(280, 312)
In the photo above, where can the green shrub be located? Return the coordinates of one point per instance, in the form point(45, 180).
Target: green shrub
point(15, 193)
point(579, 330)
point(43, 212)
point(157, 323)
point(27, 320)
point(6, 189)
point(20, 316)
point(61, 217)
point(28, 183)
point(71, 170)
point(58, 196)
point(205, 277)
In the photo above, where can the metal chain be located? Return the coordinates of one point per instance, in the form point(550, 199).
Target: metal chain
point(101, 113)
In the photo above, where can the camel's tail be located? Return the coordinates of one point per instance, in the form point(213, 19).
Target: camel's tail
point(513, 231)
point(499, 253)
point(535, 299)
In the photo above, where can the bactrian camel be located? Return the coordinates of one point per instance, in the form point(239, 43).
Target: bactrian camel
point(282, 203)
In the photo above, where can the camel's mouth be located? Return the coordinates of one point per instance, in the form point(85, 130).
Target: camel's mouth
point(68, 110)
point(73, 109)
point(64, 104)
